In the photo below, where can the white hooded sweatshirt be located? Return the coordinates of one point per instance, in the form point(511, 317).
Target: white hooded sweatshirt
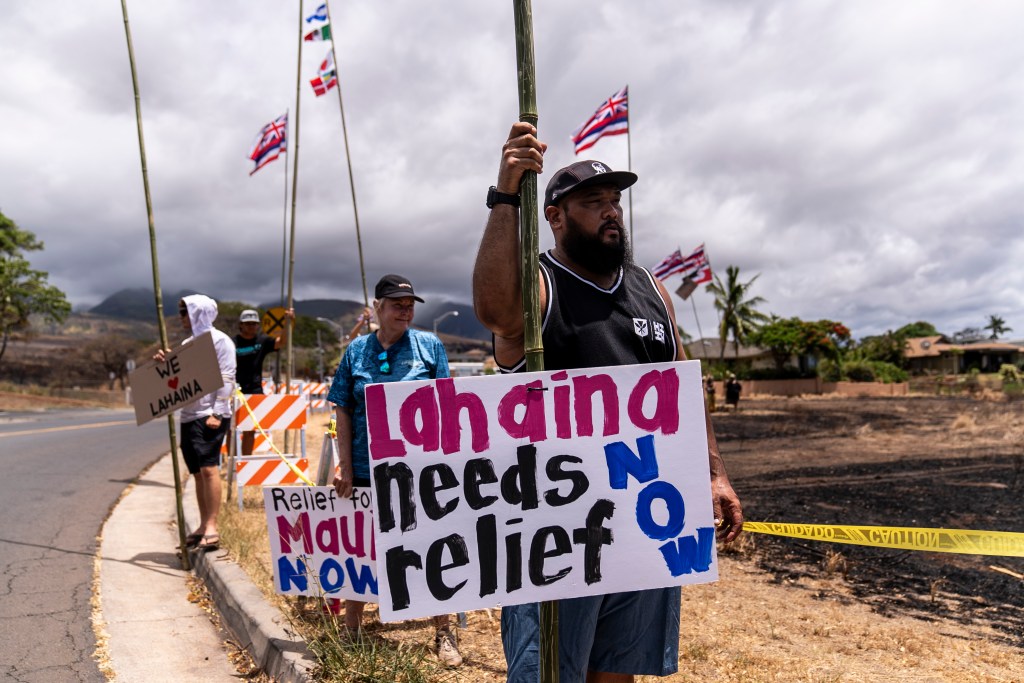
point(202, 311)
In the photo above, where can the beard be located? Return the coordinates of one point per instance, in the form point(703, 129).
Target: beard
point(592, 252)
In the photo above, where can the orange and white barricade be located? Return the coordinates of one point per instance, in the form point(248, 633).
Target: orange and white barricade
point(267, 470)
point(263, 414)
point(316, 394)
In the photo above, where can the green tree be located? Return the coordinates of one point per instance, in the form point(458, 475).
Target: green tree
point(790, 337)
point(739, 314)
point(886, 348)
point(918, 329)
point(24, 291)
point(998, 326)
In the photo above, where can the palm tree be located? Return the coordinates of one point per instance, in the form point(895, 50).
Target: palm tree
point(739, 314)
point(998, 326)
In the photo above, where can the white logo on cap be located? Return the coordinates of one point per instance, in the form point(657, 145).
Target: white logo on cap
point(599, 167)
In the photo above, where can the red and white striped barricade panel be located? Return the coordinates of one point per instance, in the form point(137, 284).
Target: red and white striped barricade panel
point(273, 412)
point(268, 386)
point(315, 388)
point(317, 394)
point(267, 470)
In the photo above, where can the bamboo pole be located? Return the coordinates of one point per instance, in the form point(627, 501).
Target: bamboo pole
point(629, 167)
point(348, 155)
point(289, 362)
point(534, 346)
point(533, 342)
point(157, 293)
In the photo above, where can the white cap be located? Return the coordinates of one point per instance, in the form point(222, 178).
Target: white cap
point(249, 316)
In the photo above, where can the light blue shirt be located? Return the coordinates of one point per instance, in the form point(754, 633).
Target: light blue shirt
point(417, 355)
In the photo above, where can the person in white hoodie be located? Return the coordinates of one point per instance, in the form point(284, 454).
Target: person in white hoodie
point(205, 421)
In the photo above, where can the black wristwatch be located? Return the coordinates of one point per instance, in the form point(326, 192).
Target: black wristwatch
point(495, 197)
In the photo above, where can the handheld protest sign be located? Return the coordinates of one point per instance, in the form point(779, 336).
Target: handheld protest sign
point(539, 486)
point(321, 545)
point(188, 373)
point(273, 321)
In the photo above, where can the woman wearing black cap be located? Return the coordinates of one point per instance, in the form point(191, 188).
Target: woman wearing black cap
point(394, 353)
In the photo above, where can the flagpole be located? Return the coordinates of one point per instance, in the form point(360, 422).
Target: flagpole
point(703, 348)
point(284, 218)
point(629, 165)
point(533, 342)
point(289, 367)
point(157, 292)
point(284, 243)
point(348, 155)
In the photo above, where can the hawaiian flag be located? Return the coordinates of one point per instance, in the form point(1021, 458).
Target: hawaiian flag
point(328, 77)
point(319, 15)
point(669, 265)
point(696, 265)
point(322, 33)
point(270, 143)
point(611, 118)
point(696, 270)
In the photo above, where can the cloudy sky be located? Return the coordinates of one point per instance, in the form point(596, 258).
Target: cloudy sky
point(863, 157)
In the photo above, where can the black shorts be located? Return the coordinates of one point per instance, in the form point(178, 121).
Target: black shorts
point(200, 445)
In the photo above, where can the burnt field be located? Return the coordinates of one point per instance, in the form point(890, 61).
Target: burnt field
point(946, 462)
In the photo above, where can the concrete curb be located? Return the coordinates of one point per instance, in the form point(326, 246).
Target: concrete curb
point(259, 627)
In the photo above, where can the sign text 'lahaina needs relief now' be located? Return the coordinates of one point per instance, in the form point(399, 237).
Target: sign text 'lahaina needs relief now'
point(539, 486)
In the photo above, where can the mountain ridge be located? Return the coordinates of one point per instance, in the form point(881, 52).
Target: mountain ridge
point(136, 304)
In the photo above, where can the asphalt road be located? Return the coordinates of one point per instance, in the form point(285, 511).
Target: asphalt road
point(60, 472)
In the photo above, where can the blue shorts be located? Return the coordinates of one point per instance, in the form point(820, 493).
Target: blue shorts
point(627, 633)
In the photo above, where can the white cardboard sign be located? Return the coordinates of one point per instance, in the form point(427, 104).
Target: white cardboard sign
point(539, 486)
point(321, 545)
point(188, 373)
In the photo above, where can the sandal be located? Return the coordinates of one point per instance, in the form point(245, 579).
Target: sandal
point(208, 542)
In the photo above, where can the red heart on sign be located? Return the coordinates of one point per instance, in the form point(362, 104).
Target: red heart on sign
point(173, 383)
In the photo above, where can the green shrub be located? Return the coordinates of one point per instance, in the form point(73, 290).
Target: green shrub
point(829, 370)
point(861, 371)
point(1010, 373)
point(888, 373)
point(858, 371)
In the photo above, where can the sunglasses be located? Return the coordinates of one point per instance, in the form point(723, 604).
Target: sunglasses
point(385, 366)
point(183, 312)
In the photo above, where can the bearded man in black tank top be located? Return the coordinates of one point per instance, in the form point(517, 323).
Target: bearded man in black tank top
point(598, 309)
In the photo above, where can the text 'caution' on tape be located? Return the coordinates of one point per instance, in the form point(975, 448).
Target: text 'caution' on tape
point(963, 541)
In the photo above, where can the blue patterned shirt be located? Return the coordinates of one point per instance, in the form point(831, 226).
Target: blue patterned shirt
point(417, 355)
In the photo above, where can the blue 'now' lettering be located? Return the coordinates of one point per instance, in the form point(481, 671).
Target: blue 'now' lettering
point(688, 554)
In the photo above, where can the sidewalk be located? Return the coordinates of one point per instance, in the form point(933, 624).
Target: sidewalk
point(155, 633)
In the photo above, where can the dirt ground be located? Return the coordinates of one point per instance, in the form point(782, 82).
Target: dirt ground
point(797, 611)
point(921, 461)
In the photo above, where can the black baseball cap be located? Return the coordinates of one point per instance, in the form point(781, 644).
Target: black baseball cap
point(394, 287)
point(584, 174)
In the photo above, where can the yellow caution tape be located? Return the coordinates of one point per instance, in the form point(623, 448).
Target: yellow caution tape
point(963, 541)
point(256, 422)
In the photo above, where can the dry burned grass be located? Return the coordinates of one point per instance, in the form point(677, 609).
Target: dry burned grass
point(33, 400)
point(755, 624)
